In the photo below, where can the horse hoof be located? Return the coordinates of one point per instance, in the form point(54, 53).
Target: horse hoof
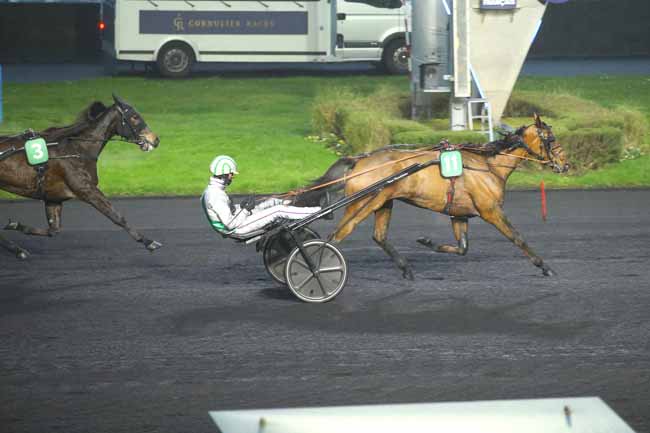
point(426, 242)
point(548, 272)
point(11, 225)
point(408, 274)
point(22, 254)
point(153, 245)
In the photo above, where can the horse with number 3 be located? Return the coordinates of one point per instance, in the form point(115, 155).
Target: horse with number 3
point(59, 164)
point(478, 191)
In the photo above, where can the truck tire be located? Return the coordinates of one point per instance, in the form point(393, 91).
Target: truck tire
point(395, 57)
point(175, 60)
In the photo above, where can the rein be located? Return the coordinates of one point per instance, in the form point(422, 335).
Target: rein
point(345, 178)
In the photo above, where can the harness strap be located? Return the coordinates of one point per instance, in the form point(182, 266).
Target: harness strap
point(451, 191)
point(345, 178)
point(442, 145)
point(40, 177)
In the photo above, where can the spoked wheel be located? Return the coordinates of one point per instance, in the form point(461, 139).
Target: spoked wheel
point(279, 247)
point(329, 276)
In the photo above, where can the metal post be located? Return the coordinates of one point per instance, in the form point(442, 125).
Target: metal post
point(430, 65)
point(458, 107)
point(458, 113)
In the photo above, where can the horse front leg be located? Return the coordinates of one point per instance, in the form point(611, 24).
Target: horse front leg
point(460, 227)
point(498, 219)
point(53, 215)
point(98, 200)
point(20, 253)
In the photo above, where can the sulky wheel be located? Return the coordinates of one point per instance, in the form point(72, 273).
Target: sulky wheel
point(277, 250)
point(329, 277)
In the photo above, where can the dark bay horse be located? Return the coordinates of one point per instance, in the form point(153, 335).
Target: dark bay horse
point(71, 171)
point(479, 191)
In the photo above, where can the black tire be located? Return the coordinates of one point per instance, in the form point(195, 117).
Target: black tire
point(323, 285)
point(395, 57)
point(175, 60)
point(278, 248)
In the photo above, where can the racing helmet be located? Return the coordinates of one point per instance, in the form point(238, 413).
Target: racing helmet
point(222, 165)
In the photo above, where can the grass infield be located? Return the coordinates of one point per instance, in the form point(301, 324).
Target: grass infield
point(264, 124)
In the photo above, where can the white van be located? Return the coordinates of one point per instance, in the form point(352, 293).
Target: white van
point(176, 33)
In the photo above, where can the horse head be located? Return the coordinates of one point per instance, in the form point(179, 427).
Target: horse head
point(133, 128)
point(540, 143)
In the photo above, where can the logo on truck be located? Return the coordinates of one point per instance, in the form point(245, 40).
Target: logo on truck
point(235, 23)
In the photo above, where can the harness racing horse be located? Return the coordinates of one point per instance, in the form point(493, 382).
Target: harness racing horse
point(71, 171)
point(479, 191)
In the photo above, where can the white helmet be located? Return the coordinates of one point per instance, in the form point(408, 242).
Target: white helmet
point(223, 164)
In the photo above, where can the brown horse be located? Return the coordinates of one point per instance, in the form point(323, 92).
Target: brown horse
point(479, 191)
point(71, 171)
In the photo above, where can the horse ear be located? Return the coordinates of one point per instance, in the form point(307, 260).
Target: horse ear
point(118, 100)
point(538, 120)
point(95, 110)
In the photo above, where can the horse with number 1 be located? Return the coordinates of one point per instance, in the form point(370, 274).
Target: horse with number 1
point(470, 181)
point(59, 164)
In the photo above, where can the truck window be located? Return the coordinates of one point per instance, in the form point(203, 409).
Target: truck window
point(384, 4)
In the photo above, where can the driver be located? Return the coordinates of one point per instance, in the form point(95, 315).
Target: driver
point(247, 217)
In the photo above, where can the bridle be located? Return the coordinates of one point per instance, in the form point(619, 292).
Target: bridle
point(125, 128)
point(547, 145)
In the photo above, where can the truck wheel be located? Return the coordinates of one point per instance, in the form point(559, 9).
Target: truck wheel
point(175, 60)
point(396, 57)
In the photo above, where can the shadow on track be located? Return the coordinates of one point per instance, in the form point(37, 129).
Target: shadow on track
point(443, 315)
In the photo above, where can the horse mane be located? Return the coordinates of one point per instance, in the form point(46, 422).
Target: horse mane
point(86, 118)
point(507, 142)
point(309, 197)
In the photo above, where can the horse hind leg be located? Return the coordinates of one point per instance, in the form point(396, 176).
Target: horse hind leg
point(20, 253)
point(382, 220)
point(460, 227)
point(53, 215)
point(357, 212)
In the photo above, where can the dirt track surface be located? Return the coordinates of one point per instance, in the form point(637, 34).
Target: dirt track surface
point(98, 335)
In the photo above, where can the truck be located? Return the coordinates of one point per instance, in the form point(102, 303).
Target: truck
point(175, 34)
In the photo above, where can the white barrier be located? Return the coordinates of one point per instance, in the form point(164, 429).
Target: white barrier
point(558, 415)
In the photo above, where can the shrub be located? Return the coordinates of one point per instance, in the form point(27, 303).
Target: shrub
point(612, 134)
point(331, 109)
point(589, 148)
point(364, 131)
point(636, 130)
point(363, 123)
point(591, 134)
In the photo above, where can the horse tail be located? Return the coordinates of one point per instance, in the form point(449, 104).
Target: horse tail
point(322, 196)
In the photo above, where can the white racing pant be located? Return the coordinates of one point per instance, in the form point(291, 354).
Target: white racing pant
point(263, 217)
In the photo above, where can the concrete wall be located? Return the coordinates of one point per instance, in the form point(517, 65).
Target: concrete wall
point(594, 28)
point(48, 33)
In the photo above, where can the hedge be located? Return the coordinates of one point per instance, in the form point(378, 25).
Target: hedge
point(591, 134)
